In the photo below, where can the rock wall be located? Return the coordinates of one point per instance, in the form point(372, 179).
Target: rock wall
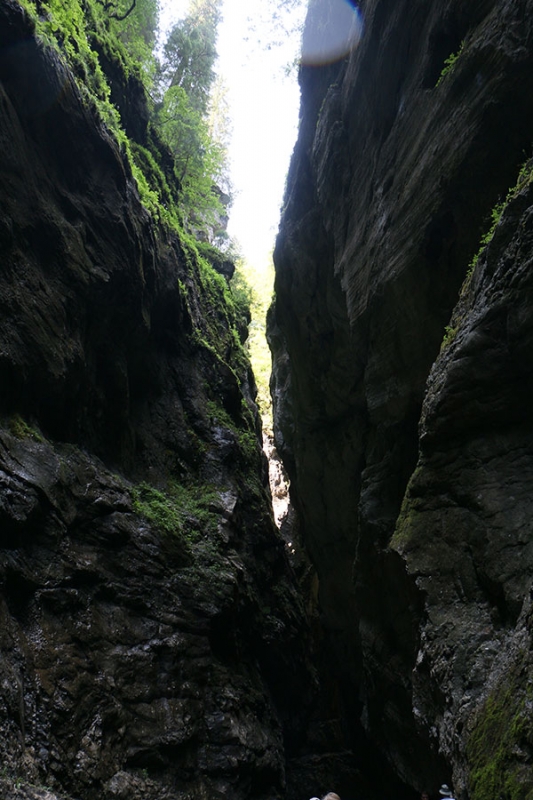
point(409, 464)
point(153, 643)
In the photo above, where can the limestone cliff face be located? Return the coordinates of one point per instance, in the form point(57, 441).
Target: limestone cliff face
point(152, 639)
point(409, 466)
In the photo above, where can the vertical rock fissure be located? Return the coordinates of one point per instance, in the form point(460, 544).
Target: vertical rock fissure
point(403, 153)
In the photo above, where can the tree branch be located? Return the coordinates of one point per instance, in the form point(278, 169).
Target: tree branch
point(109, 5)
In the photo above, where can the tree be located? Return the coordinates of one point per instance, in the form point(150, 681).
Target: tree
point(189, 53)
point(134, 23)
point(194, 119)
point(219, 114)
point(198, 158)
point(113, 10)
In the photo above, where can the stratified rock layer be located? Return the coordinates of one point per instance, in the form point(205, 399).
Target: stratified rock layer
point(405, 147)
point(152, 639)
point(465, 527)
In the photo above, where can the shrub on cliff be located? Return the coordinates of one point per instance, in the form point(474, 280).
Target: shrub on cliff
point(109, 48)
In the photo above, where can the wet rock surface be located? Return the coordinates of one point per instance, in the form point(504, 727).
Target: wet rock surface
point(126, 669)
point(464, 531)
point(404, 149)
point(153, 639)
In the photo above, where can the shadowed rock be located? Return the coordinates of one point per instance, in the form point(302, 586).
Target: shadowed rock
point(404, 149)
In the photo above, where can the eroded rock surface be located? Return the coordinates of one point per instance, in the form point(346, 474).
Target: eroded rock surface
point(153, 641)
point(465, 527)
point(404, 149)
point(131, 659)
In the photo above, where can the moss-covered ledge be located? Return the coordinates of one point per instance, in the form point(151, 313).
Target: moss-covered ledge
point(499, 746)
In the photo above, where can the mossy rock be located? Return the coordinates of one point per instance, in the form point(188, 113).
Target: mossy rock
point(500, 744)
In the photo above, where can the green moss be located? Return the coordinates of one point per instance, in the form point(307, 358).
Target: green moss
point(184, 511)
point(80, 30)
point(22, 430)
point(217, 327)
point(76, 31)
point(501, 732)
point(89, 42)
point(407, 518)
point(218, 415)
point(189, 516)
point(402, 531)
point(150, 172)
point(63, 25)
point(246, 438)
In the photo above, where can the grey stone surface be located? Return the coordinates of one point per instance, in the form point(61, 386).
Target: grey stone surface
point(146, 651)
point(391, 187)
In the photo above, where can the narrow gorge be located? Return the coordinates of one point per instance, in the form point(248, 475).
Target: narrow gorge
point(159, 639)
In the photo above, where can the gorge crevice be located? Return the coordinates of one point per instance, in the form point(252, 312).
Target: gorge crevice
point(144, 653)
point(159, 639)
point(405, 148)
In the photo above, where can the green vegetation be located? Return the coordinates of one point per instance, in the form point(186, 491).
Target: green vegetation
point(198, 159)
point(502, 731)
point(189, 120)
point(185, 511)
point(175, 165)
point(403, 529)
point(19, 428)
point(176, 160)
point(450, 332)
point(406, 527)
point(136, 29)
point(188, 516)
point(496, 215)
point(188, 128)
point(449, 63)
point(256, 285)
point(525, 176)
point(246, 439)
point(92, 36)
point(190, 53)
point(221, 326)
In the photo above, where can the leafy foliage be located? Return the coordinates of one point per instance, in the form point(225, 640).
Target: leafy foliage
point(198, 158)
point(449, 63)
point(112, 9)
point(190, 53)
point(137, 32)
point(179, 162)
point(81, 30)
point(93, 36)
point(191, 125)
point(525, 176)
point(256, 286)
